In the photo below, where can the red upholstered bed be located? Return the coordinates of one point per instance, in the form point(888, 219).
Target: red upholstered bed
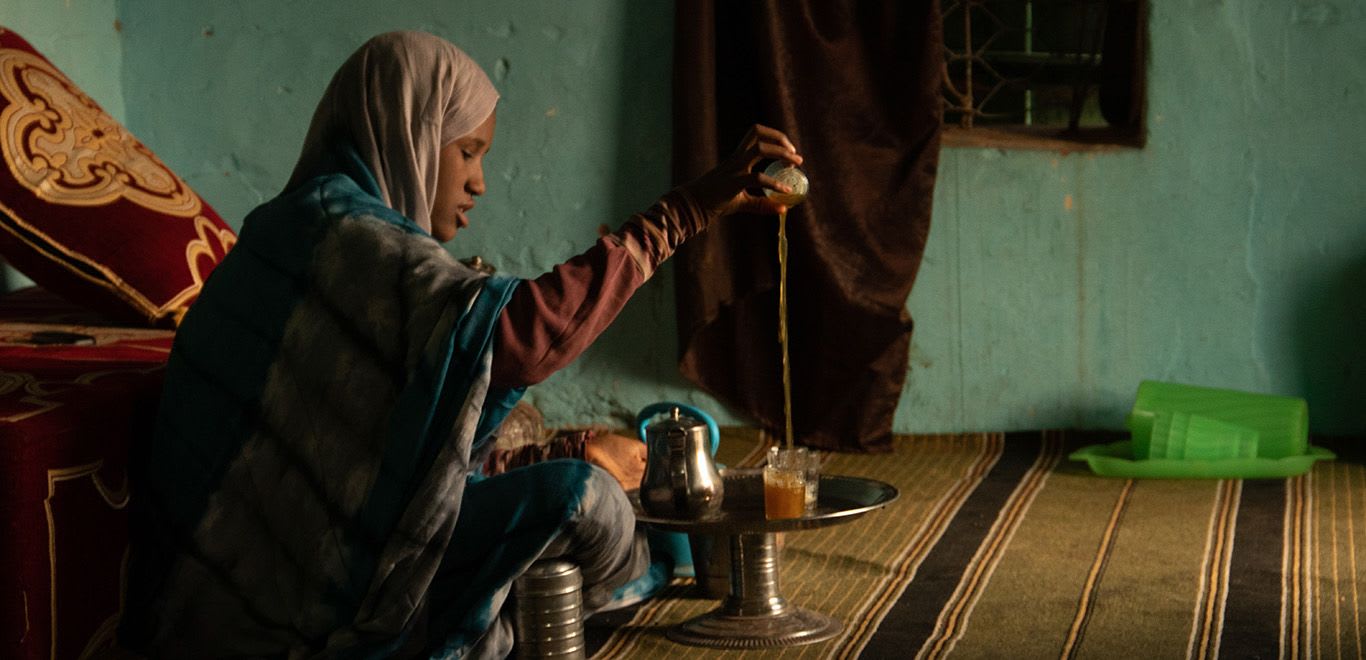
point(90, 213)
point(76, 394)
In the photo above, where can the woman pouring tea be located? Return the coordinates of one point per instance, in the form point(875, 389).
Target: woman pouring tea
point(315, 483)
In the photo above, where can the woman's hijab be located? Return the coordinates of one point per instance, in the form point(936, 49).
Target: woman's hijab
point(398, 100)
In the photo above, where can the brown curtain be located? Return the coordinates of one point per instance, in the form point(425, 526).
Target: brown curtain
point(855, 84)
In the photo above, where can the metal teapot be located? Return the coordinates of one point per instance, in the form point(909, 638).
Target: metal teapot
point(681, 479)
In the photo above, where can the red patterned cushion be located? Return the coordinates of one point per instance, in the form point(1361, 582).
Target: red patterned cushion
point(86, 210)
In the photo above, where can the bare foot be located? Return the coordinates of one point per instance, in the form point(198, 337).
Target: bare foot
point(622, 457)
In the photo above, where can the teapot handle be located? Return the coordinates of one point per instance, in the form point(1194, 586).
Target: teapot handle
point(665, 406)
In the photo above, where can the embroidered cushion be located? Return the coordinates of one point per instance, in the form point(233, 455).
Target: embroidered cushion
point(86, 210)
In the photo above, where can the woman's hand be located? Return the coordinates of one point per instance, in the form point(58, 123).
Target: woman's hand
point(729, 187)
point(622, 457)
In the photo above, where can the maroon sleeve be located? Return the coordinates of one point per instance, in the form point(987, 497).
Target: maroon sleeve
point(552, 319)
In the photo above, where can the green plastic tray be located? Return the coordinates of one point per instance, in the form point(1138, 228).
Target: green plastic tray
point(1116, 459)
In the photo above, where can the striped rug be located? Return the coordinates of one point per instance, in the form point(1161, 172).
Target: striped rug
point(1000, 547)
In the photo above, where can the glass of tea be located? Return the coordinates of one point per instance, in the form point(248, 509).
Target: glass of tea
point(786, 479)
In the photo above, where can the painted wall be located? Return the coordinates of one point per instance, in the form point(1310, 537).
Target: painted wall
point(224, 91)
point(1230, 251)
point(82, 39)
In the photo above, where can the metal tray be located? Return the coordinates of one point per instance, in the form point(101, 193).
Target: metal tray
point(839, 500)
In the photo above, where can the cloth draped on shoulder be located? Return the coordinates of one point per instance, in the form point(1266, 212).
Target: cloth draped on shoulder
point(325, 404)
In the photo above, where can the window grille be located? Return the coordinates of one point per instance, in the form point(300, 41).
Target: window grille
point(1068, 69)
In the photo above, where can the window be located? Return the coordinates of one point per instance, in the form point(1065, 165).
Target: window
point(1060, 74)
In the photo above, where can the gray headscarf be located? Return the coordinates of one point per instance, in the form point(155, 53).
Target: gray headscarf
point(399, 99)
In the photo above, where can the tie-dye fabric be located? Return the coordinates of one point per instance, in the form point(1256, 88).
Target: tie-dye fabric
point(324, 408)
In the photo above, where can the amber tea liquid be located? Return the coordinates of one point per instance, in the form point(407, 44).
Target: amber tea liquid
point(782, 325)
point(784, 483)
point(784, 494)
point(797, 181)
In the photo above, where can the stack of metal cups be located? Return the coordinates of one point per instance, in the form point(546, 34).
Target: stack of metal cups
point(549, 616)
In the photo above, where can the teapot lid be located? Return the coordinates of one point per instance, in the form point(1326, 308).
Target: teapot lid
point(675, 422)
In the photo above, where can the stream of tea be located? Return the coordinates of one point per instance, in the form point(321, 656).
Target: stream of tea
point(788, 492)
point(797, 183)
point(782, 324)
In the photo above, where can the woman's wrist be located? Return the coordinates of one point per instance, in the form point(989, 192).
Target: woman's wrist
point(691, 209)
point(565, 444)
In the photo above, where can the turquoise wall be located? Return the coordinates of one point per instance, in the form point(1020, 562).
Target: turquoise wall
point(224, 91)
point(81, 37)
point(1230, 251)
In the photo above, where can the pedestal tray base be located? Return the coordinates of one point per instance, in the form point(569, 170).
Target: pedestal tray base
point(755, 614)
point(719, 630)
